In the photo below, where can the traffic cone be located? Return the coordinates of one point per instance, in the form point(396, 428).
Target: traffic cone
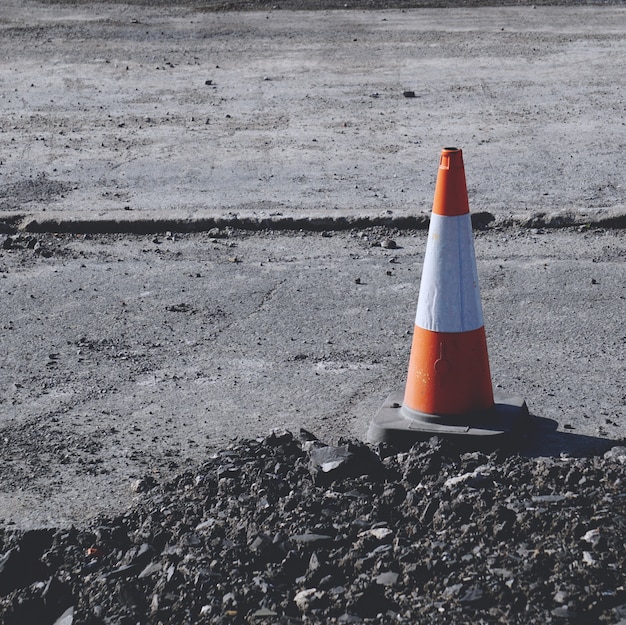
point(448, 389)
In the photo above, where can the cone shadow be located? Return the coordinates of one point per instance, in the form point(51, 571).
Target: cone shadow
point(545, 440)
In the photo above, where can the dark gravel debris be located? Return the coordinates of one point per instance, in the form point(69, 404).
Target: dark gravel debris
point(290, 530)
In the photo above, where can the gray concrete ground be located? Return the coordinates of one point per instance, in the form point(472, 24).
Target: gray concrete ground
point(130, 355)
point(119, 112)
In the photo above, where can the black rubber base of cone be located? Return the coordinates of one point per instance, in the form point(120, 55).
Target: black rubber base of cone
point(508, 419)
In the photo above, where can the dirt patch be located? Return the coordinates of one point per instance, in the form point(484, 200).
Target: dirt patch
point(41, 189)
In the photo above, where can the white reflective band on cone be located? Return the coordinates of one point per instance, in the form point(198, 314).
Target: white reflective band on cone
point(449, 297)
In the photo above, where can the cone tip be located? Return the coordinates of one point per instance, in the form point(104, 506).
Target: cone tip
point(450, 191)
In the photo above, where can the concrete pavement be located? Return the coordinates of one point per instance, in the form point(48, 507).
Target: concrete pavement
point(118, 117)
point(129, 355)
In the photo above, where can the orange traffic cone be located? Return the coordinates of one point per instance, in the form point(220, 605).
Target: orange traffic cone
point(448, 389)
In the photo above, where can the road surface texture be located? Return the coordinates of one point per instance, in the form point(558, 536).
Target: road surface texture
point(125, 356)
point(193, 205)
point(125, 113)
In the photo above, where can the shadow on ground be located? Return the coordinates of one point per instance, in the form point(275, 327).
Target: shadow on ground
point(546, 440)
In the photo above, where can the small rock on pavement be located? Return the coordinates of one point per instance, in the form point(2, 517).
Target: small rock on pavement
point(143, 484)
point(617, 454)
point(388, 244)
point(67, 618)
point(388, 578)
point(338, 462)
point(305, 599)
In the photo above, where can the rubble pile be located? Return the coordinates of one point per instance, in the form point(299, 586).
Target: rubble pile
point(290, 530)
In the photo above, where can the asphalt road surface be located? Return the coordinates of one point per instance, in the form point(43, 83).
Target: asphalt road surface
point(129, 356)
point(120, 113)
point(309, 138)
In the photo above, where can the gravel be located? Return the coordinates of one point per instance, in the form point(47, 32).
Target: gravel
point(286, 529)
